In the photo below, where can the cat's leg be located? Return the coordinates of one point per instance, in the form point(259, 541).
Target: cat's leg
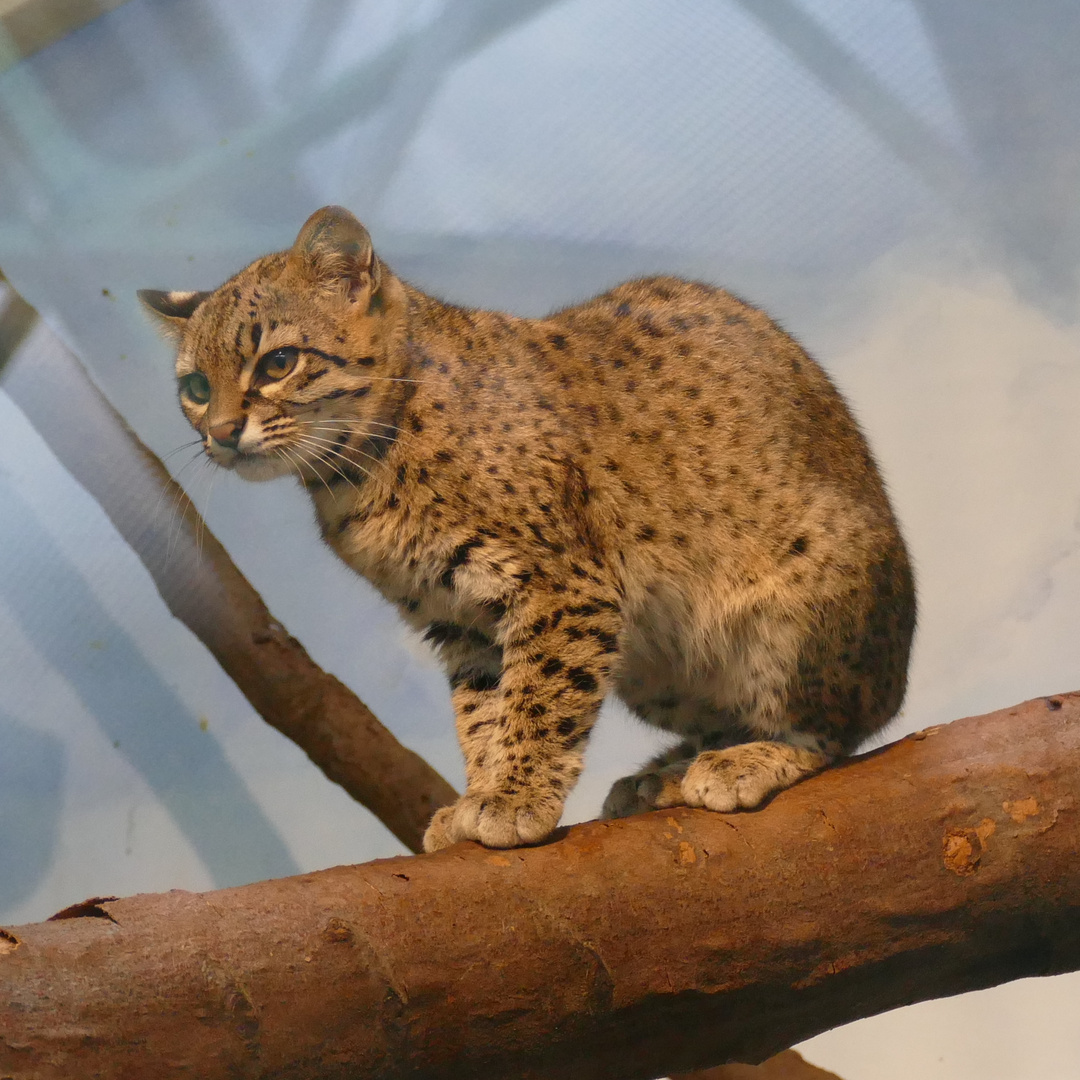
point(525, 738)
point(777, 732)
point(808, 694)
point(473, 663)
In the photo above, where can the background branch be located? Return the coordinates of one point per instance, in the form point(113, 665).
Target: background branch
point(671, 941)
point(203, 588)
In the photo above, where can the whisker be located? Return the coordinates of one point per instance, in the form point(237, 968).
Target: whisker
point(341, 422)
point(395, 378)
point(200, 524)
point(337, 472)
point(339, 449)
point(306, 435)
point(332, 449)
point(182, 446)
point(296, 465)
point(175, 519)
point(175, 477)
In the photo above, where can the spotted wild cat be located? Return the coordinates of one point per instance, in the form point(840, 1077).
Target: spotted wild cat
point(655, 493)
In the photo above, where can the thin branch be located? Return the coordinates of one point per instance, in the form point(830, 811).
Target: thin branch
point(628, 949)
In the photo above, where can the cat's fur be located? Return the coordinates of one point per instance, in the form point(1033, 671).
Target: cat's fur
point(655, 493)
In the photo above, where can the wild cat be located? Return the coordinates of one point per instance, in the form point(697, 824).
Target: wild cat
point(655, 493)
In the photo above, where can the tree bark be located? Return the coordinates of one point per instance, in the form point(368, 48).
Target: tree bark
point(628, 949)
point(787, 1065)
point(205, 590)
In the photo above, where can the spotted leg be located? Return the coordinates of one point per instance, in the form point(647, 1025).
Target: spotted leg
point(524, 737)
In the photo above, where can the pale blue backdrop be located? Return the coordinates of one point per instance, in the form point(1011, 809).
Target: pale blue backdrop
point(896, 180)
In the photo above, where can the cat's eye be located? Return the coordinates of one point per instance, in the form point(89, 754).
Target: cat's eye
point(196, 388)
point(277, 364)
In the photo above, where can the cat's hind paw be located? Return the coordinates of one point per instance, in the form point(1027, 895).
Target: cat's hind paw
point(650, 789)
point(743, 777)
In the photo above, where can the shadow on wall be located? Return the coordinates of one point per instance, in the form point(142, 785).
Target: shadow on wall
point(135, 708)
point(32, 767)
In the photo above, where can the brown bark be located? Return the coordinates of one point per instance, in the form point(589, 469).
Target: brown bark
point(202, 586)
point(787, 1065)
point(628, 949)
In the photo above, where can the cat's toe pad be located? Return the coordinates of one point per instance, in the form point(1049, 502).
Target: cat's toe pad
point(494, 819)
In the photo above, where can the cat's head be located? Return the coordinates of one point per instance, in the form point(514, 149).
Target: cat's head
point(279, 364)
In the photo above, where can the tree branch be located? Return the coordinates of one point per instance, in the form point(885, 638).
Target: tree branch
point(787, 1065)
point(667, 942)
point(203, 588)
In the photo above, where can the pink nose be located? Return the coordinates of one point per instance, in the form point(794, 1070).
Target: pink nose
point(227, 433)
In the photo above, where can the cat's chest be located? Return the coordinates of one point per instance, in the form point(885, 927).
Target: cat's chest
point(432, 571)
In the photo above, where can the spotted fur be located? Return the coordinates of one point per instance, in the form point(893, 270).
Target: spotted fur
point(655, 493)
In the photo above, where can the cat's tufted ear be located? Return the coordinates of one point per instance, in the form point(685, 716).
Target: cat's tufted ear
point(171, 310)
point(336, 249)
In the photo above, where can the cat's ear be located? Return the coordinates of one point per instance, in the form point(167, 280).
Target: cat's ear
point(335, 249)
point(171, 310)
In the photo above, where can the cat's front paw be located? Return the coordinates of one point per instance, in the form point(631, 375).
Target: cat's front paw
point(494, 820)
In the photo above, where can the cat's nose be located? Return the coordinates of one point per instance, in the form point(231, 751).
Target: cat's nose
point(227, 433)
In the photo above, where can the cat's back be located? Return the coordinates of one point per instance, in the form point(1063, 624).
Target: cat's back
point(681, 369)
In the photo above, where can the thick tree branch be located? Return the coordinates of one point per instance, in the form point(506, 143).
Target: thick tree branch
point(203, 588)
point(787, 1065)
point(662, 943)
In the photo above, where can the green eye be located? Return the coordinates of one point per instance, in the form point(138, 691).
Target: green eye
point(196, 387)
point(277, 364)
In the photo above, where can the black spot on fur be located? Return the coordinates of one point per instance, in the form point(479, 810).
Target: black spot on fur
point(607, 640)
point(439, 633)
point(582, 680)
point(458, 558)
point(475, 680)
point(583, 609)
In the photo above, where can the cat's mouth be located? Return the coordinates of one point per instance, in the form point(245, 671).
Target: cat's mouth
point(252, 465)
